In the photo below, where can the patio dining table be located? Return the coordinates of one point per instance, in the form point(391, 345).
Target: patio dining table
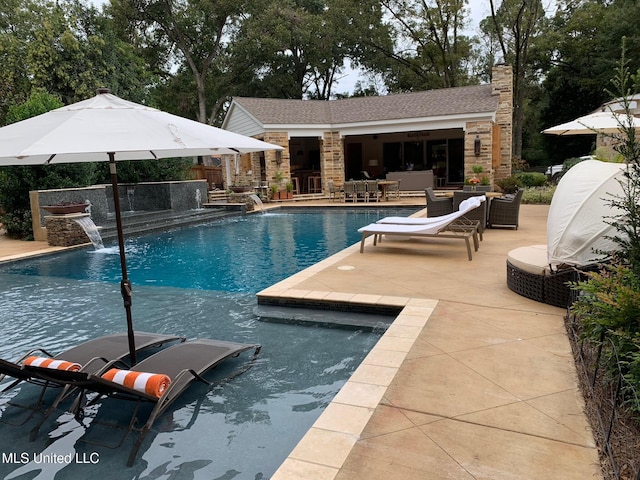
point(383, 184)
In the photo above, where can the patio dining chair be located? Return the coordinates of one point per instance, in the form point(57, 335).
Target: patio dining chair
point(361, 190)
point(373, 191)
point(349, 191)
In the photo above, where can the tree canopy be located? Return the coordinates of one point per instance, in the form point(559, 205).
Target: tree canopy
point(190, 57)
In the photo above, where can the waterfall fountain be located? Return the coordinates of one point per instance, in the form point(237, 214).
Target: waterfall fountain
point(130, 193)
point(198, 199)
point(257, 201)
point(91, 230)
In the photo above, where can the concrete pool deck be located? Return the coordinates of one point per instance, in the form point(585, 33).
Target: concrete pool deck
point(471, 381)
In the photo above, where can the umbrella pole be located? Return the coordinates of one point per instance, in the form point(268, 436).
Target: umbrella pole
point(125, 284)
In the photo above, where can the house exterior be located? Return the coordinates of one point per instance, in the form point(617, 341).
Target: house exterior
point(435, 136)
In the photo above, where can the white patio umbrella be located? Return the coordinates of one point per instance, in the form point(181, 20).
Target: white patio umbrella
point(592, 124)
point(108, 128)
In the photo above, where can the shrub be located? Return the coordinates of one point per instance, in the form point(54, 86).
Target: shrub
point(539, 195)
point(510, 184)
point(532, 179)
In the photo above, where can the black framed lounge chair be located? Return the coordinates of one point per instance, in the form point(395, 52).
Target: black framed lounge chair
point(181, 364)
point(92, 356)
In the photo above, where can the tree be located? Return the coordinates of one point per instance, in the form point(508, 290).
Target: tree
point(18, 181)
point(515, 26)
point(430, 51)
point(183, 36)
point(583, 45)
point(74, 50)
point(298, 48)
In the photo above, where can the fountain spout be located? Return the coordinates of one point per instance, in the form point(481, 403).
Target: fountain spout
point(91, 230)
point(257, 201)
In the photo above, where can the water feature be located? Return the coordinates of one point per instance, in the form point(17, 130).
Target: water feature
point(198, 282)
point(198, 199)
point(91, 230)
point(257, 201)
point(130, 197)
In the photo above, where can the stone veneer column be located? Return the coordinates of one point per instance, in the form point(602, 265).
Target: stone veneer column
point(482, 131)
point(270, 156)
point(332, 159)
point(64, 231)
point(502, 81)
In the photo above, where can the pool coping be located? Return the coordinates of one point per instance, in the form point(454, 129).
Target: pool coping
point(321, 452)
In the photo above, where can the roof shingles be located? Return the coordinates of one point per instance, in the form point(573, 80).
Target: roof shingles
point(430, 103)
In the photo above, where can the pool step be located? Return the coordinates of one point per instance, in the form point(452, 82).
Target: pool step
point(326, 318)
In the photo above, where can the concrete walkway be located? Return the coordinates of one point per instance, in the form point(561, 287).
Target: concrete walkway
point(470, 382)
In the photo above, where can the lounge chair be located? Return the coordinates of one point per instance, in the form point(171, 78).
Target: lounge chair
point(443, 227)
point(92, 355)
point(459, 217)
point(182, 364)
point(479, 214)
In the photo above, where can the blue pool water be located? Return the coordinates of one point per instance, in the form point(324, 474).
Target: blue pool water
point(196, 282)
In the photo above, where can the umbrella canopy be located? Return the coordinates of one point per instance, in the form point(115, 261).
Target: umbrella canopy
point(592, 124)
point(87, 130)
point(108, 128)
point(577, 224)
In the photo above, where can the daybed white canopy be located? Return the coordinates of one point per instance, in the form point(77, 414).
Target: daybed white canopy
point(577, 222)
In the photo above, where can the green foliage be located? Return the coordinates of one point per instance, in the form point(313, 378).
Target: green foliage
point(609, 304)
point(539, 195)
point(609, 312)
point(532, 179)
point(17, 181)
point(162, 170)
point(510, 184)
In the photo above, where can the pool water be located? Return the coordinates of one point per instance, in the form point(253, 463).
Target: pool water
point(196, 282)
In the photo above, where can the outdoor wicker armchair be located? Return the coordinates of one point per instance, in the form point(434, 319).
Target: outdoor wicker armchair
point(437, 206)
point(504, 212)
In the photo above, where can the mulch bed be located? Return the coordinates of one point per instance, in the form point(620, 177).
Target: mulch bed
point(621, 461)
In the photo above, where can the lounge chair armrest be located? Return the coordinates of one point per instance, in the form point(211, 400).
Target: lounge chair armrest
point(32, 351)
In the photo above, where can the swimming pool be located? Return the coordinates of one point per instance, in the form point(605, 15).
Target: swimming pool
point(197, 282)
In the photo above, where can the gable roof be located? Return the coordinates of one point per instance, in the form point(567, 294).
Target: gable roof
point(431, 103)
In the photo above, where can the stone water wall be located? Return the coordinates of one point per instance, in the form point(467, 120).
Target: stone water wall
point(64, 231)
point(141, 197)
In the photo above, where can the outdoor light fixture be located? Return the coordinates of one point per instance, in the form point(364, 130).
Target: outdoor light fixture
point(476, 146)
point(373, 162)
point(278, 157)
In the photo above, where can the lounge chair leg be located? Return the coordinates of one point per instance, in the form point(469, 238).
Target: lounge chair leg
point(466, 240)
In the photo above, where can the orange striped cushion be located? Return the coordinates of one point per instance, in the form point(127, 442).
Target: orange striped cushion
point(43, 362)
point(150, 383)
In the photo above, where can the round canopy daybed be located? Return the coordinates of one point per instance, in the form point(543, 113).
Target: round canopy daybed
point(578, 231)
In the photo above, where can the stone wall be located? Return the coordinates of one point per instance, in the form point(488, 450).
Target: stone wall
point(502, 81)
point(151, 196)
point(332, 159)
point(483, 132)
point(277, 160)
point(64, 231)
